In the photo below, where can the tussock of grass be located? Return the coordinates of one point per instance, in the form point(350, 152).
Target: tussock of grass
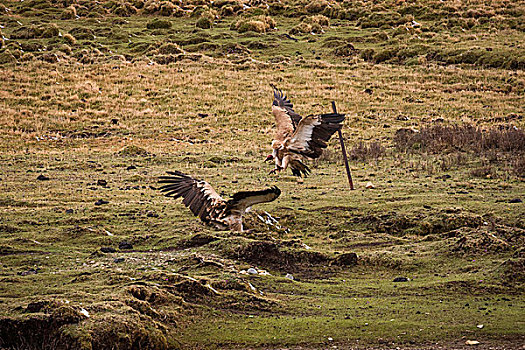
point(162, 8)
point(159, 24)
point(365, 152)
point(204, 23)
point(32, 32)
point(7, 57)
point(169, 49)
point(132, 151)
point(260, 24)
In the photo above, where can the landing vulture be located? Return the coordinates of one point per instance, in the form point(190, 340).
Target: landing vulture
point(204, 202)
point(297, 138)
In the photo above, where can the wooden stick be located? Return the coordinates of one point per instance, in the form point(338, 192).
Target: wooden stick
point(343, 149)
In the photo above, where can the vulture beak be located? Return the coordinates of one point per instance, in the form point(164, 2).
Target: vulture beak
point(270, 157)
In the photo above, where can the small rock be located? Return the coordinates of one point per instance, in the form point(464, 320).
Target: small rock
point(202, 115)
point(252, 271)
point(401, 279)
point(369, 185)
point(69, 211)
point(472, 342)
point(29, 272)
point(103, 183)
point(368, 91)
point(290, 37)
point(84, 312)
point(114, 121)
point(36, 306)
point(118, 260)
point(42, 177)
point(480, 326)
point(108, 250)
point(125, 245)
point(131, 167)
point(152, 214)
point(101, 201)
point(515, 200)
point(289, 276)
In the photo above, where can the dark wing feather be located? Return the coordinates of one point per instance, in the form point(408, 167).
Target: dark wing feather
point(313, 132)
point(299, 169)
point(242, 200)
point(197, 195)
point(280, 100)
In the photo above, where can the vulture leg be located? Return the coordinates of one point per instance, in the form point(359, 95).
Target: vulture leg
point(275, 170)
point(286, 161)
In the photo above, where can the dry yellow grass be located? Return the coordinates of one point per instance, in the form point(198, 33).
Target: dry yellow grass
point(156, 104)
point(76, 123)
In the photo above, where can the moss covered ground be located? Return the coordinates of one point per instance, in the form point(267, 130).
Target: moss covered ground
point(99, 99)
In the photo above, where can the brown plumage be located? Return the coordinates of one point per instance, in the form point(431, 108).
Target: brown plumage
point(297, 138)
point(204, 202)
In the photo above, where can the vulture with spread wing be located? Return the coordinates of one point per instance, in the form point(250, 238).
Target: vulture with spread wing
point(204, 202)
point(297, 138)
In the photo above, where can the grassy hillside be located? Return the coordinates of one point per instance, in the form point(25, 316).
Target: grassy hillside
point(98, 99)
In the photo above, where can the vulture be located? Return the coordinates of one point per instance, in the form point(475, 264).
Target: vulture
point(212, 209)
point(297, 138)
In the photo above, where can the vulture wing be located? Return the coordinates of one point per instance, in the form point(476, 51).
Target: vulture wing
point(286, 119)
point(298, 167)
point(197, 195)
point(313, 132)
point(242, 200)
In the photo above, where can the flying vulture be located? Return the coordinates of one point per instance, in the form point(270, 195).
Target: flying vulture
point(204, 202)
point(297, 138)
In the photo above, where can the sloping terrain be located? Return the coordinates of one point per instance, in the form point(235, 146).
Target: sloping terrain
point(430, 255)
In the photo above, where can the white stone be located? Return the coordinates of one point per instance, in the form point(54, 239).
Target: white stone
point(84, 312)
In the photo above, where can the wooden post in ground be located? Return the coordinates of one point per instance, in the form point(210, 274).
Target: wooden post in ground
point(343, 149)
